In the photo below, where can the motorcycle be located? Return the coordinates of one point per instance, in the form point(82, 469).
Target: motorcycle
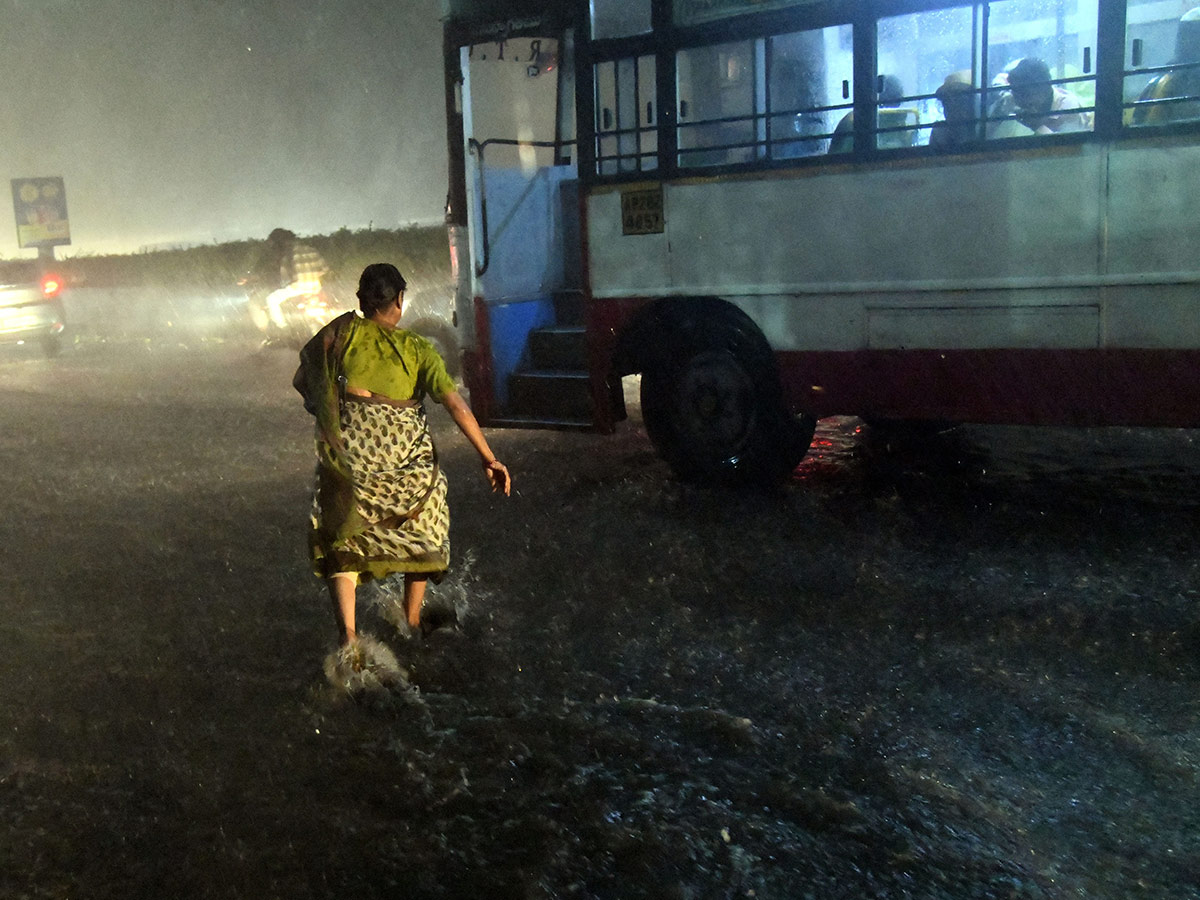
point(287, 316)
point(298, 314)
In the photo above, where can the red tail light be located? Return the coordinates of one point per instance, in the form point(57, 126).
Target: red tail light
point(51, 285)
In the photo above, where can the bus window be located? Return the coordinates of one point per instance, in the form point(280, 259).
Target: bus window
point(1040, 64)
point(811, 88)
point(777, 96)
point(1045, 48)
point(619, 18)
point(717, 104)
point(896, 119)
point(626, 139)
point(512, 99)
point(1162, 58)
point(924, 52)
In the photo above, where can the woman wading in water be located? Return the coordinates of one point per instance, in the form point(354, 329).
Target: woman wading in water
point(380, 505)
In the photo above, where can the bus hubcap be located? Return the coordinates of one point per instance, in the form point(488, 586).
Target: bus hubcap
point(718, 402)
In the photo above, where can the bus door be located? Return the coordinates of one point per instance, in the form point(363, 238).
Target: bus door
point(523, 228)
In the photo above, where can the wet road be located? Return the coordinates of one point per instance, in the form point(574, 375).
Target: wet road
point(961, 665)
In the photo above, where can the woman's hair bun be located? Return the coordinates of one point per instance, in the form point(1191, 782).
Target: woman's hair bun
point(379, 286)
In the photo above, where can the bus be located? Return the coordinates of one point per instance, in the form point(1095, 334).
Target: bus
point(780, 210)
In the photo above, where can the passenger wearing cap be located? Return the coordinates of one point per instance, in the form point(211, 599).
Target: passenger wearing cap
point(960, 108)
point(1182, 83)
point(1038, 104)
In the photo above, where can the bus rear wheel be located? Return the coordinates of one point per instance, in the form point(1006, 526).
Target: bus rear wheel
point(716, 417)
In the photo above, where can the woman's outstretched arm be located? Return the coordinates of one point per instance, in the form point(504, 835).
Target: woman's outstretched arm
point(497, 473)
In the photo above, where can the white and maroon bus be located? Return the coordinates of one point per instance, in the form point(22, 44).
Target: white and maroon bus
point(778, 210)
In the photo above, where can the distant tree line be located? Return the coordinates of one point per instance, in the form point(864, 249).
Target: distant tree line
point(421, 253)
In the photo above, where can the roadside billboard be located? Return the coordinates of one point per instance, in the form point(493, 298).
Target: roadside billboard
point(40, 205)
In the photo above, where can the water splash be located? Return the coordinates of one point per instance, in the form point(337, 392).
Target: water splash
point(364, 666)
point(447, 603)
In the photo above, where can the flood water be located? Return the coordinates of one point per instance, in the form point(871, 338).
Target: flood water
point(957, 665)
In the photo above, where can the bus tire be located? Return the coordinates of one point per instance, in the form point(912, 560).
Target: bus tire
point(715, 416)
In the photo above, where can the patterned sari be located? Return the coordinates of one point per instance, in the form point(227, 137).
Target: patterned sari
point(380, 501)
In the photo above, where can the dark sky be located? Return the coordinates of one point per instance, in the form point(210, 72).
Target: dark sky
point(194, 121)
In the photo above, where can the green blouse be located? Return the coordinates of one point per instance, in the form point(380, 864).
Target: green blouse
point(393, 362)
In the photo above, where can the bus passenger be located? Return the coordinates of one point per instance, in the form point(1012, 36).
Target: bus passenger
point(889, 116)
point(960, 108)
point(1038, 104)
point(801, 133)
point(1183, 82)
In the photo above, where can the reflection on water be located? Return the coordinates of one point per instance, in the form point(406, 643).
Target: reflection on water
point(835, 447)
point(1154, 465)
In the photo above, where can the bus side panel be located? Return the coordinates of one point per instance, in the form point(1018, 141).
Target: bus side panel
point(1034, 287)
point(1042, 318)
point(1031, 387)
point(1153, 245)
point(1153, 316)
point(1000, 385)
point(621, 265)
point(967, 219)
point(1153, 224)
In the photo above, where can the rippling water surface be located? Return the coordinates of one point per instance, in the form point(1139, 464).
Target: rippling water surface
point(957, 664)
